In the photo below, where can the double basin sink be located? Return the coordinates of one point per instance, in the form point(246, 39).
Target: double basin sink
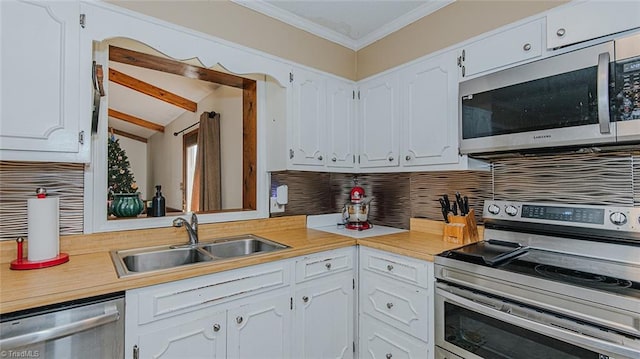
point(150, 259)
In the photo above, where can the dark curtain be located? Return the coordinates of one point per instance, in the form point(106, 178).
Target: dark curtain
point(206, 180)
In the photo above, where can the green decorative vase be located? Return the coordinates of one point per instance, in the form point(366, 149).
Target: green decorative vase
point(126, 204)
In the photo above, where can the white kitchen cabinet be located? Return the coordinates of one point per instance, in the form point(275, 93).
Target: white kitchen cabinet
point(199, 337)
point(40, 82)
point(379, 122)
point(260, 329)
point(324, 317)
point(340, 122)
point(508, 47)
point(429, 92)
point(307, 130)
point(324, 305)
point(321, 135)
point(582, 21)
point(244, 312)
point(396, 305)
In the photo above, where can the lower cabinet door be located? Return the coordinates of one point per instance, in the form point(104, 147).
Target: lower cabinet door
point(380, 341)
point(204, 337)
point(324, 318)
point(261, 329)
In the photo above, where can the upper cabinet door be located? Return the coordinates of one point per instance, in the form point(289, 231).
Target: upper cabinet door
point(307, 128)
point(429, 91)
point(505, 48)
point(588, 20)
point(379, 122)
point(40, 84)
point(341, 137)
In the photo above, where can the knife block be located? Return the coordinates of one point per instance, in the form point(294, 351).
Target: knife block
point(461, 229)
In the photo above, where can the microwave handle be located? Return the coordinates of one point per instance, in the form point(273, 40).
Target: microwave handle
point(603, 93)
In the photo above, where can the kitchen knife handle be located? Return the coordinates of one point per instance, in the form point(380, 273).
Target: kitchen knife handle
point(443, 208)
point(455, 208)
point(465, 201)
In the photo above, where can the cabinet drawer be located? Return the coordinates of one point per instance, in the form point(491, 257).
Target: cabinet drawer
point(400, 305)
point(379, 341)
point(324, 264)
point(165, 300)
point(410, 270)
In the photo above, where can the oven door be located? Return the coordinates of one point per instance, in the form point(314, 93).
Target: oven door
point(474, 325)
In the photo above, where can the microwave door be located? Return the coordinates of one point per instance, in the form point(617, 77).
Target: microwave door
point(555, 102)
point(625, 108)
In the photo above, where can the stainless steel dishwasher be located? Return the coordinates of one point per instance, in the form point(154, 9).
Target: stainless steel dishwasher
point(88, 328)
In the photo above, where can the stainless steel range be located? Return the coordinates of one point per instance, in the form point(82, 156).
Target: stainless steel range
point(549, 281)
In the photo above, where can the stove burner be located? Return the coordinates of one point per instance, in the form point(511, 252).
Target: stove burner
point(581, 278)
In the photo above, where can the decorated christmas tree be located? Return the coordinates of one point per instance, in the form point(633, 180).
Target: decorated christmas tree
point(120, 178)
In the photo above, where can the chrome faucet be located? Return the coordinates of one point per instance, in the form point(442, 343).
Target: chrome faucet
point(192, 228)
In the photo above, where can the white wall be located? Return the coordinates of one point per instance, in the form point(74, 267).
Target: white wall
point(137, 154)
point(228, 102)
point(166, 149)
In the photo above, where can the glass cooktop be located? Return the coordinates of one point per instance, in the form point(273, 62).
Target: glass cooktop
point(593, 273)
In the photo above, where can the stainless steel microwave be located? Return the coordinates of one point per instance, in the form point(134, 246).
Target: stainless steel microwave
point(585, 98)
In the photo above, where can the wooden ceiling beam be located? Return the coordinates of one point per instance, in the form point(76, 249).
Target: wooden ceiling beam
point(135, 120)
point(127, 134)
point(157, 63)
point(151, 90)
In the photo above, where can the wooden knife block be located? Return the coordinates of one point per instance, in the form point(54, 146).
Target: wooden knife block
point(461, 229)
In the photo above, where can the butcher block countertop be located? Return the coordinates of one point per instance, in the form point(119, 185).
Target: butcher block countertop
point(90, 270)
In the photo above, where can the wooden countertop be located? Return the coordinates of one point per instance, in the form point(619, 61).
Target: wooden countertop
point(91, 272)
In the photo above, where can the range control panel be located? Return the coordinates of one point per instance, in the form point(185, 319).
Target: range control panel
point(603, 217)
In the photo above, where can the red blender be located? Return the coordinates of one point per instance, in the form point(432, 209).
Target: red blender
point(356, 212)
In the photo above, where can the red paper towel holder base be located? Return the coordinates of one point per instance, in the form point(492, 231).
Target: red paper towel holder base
point(23, 263)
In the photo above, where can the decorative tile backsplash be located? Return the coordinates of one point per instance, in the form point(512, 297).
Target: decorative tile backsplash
point(591, 178)
point(18, 182)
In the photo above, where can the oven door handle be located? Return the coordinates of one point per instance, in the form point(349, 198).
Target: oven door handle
point(111, 314)
point(591, 343)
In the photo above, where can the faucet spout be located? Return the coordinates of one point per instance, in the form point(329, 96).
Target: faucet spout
point(192, 228)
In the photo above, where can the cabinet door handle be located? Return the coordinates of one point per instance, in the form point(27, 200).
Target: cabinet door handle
point(328, 265)
point(305, 299)
point(561, 31)
point(320, 158)
point(408, 158)
point(390, 158)
point(526, 47)
point(291, 154)
point(239, 319)
point(389, 356)
point(389, 267)
point(389, 305)
point(333, 159)
point(463, 71)
point(216, 327)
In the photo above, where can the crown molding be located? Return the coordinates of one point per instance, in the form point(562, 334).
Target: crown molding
point(334, 36)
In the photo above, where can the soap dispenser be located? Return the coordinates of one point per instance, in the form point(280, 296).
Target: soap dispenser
point(158, 204)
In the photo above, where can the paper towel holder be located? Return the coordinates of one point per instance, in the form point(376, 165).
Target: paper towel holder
point(22, 263)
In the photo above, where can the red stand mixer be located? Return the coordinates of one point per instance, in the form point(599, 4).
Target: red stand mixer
point(355, 213)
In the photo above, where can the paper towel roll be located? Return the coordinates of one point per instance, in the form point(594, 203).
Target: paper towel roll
point(43, 228)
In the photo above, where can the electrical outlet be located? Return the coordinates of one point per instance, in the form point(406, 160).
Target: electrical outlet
point(274, 206)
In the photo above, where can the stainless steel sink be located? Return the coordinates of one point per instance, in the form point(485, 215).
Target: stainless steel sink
point(240, 246)
point(150, 259)
point(164, 258)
